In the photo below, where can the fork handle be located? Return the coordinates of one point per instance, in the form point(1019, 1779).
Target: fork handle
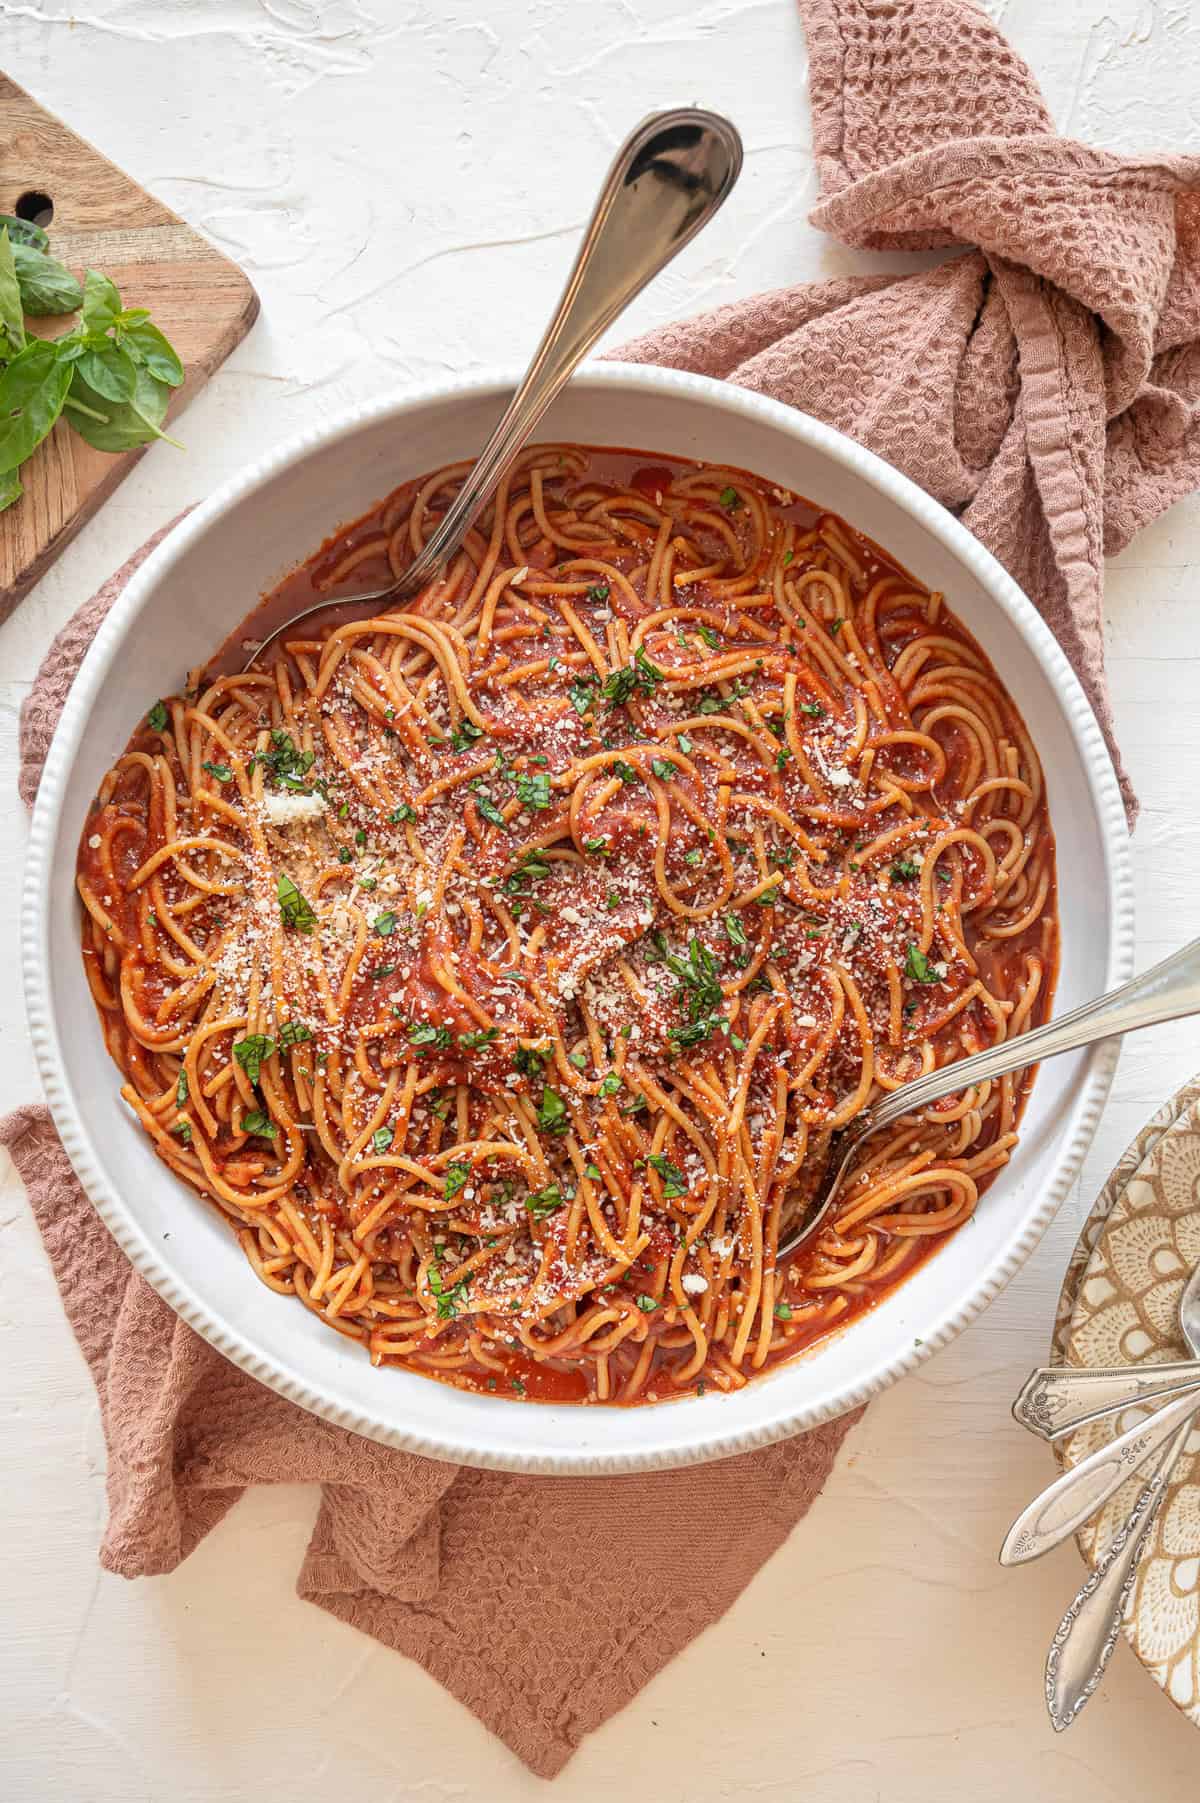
point(1087, 1633)
point(1057, 1399)
point(1079, 1492)
point(668, 179)
point(1166, 992)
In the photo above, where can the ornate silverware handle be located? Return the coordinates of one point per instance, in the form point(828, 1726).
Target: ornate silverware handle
point(1056, 1399)
point(1088, 1631)
point(1168, 991)
point(668, 179)
point(1078, 1493)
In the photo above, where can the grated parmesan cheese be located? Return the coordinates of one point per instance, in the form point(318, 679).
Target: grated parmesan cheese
point(283, 808)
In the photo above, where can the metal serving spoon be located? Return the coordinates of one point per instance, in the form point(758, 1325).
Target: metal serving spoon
point(1087, 1633)
point(669, 177)
point(1171, 989)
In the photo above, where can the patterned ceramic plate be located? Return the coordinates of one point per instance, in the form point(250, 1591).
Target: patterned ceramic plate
point(1118, 1306)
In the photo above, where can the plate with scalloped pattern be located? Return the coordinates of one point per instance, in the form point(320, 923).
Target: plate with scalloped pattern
point(1119, 1305)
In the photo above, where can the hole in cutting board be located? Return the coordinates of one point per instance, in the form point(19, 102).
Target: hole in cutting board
point(36, 207)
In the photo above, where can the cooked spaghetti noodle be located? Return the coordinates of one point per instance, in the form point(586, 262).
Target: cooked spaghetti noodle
point(497, 965)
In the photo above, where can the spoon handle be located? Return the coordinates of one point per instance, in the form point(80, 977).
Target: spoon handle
point(1171, 989)
point(1078, 1493)
point(1087, 1633)
point(1057, 1399)
point(668, 179)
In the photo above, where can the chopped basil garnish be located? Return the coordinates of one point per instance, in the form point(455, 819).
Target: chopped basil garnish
point(918, 968)
point(285, 764)
point(447, 1300)
point(552, 1115)
point(294, 910)
point(674, 1183)
point(423, 1033)
point(534, 791)
point(456, 1180)
point(465, 734)
point(544, 1202)
point(582, 696)
point(260, 1124)
point(252, 1053)
point(472, 1042)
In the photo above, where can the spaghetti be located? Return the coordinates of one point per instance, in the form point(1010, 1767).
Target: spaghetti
point(495, 965)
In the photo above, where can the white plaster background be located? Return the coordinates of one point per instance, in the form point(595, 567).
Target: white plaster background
point(403, 182)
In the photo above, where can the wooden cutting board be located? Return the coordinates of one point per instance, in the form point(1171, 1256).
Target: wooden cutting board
point(102, 219)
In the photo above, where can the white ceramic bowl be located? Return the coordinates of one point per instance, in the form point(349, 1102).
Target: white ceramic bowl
point(202, 581)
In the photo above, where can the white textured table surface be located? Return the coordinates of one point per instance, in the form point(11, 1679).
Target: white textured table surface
point(404, 183)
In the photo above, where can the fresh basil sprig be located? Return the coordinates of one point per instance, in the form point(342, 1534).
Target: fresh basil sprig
point(111, 375)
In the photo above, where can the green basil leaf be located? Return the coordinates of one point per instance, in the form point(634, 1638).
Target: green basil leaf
point(294, 908)
point(260, 1124)
point(32, 391)
point(118, 426)
point(10, 489)
point(101, 302)
point(12, 323)
point(455, 1179)
point(534, 791)
point(552, 1115)
point(544, 1202)
point(147, 346)
point(918, 968)
point(252, 1052)
point(47, 287)
point(109, 370)
point(24, 231)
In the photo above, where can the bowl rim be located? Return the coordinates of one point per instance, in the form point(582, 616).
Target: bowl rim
point(705, 1443)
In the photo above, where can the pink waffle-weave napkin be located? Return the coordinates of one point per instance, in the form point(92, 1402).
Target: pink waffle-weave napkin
point(1044, 385)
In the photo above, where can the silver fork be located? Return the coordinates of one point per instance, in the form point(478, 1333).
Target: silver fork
point(1169, 990)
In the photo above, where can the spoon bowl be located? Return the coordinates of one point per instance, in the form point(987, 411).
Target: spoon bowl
point(673, 172)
